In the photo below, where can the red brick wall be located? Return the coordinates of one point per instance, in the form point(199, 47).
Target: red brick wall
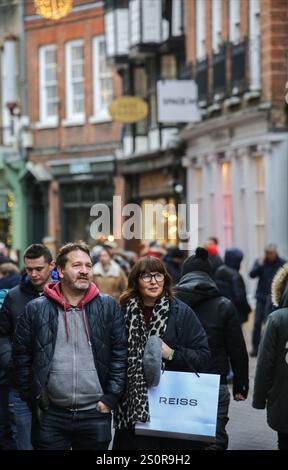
point(274, 30)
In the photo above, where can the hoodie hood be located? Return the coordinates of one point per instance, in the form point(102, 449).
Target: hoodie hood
point(27, 286)
point(53, 291)
point(280, 287)
point(198, 285)
point(233, 258)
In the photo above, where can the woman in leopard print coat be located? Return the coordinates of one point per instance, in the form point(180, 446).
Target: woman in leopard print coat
point(150, 309)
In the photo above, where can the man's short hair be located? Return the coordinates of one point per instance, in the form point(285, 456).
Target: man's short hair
point(61, 259)
point(36, 250)
point(214, 240)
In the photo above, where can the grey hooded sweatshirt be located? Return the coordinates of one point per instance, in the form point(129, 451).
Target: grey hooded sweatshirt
point(73, 379)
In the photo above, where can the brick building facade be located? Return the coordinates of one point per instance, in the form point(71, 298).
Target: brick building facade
point(71, 165)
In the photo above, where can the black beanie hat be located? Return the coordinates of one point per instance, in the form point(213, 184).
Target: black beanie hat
point(198, 262)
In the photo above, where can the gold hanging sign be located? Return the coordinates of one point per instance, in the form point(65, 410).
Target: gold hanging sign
point(128, 109)
point(53, 9)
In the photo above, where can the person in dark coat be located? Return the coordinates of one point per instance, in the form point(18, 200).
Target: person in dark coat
point(38, 264)
point(151, 310)
point(271, 379)
point(4, 255)
point(231, 284)
point(264, 269)
point(9, 276)
point(219, 319)
point(69, 356)
point(173, 262)
point(215, 259)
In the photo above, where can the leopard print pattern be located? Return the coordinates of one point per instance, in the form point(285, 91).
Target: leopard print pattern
point(134, 405)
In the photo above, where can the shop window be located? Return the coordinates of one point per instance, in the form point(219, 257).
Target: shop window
point(159, 220)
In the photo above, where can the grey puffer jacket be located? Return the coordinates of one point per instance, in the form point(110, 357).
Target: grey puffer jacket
point(271, 380)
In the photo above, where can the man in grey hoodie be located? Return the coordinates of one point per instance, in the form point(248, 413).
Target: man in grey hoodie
point(70, 355)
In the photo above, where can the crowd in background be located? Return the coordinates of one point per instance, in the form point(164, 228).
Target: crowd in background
point(159, 285)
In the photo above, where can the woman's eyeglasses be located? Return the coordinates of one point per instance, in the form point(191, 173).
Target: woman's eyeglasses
point(147, 277)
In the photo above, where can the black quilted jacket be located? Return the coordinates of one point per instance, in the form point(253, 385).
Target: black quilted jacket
point(13, 306)
point(35, 339)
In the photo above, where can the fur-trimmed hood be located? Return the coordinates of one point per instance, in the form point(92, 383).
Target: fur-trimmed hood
point(280, 287)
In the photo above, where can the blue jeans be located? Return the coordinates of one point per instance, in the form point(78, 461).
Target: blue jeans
point(62, 429)
point(7, 425)
point(23, 419)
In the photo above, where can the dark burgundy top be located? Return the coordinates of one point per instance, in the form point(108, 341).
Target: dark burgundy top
point(147, 312)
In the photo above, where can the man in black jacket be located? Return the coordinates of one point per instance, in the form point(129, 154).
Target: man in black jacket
point(70, 353)
point(38, 264)
point(219, 319)
point(264, 269)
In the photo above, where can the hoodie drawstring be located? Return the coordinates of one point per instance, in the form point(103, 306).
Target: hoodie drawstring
point(66, 321)
point(85, 323)
point(83, 319)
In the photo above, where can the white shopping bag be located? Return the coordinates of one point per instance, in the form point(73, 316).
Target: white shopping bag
point(184, 405)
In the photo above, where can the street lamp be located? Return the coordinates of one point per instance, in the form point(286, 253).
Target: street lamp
point(53, 9)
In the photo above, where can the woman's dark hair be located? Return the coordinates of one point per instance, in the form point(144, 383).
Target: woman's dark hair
point(147, 264)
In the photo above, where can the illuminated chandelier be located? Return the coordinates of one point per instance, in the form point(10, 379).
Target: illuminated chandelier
point(53, 9)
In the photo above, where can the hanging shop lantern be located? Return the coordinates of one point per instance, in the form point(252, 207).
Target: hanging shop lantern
point(53, 9)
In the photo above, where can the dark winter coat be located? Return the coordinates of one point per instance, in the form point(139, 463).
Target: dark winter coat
point(185, 334)
point(231, 284)
point(35, 339)
point(271, 380)
point(8, 282)
point(219, 319)
point(265, 272)
point(215, 261)
point(13, 306)
point(173, 268)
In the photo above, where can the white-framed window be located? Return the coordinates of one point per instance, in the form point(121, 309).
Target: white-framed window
point(48, 99)
point(75, 96)
point(102, 81)
point(216, 24)
point(200, 29)
point(234, 21)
